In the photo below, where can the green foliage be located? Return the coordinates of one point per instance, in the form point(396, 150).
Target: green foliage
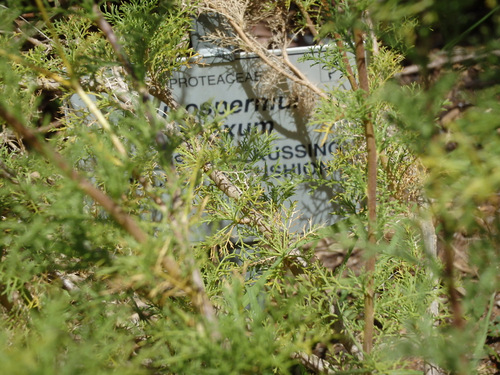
point(341, 121)
point(221, 284)
point(154, 35)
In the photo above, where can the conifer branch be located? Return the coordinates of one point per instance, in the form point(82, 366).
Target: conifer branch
point(219, 178)
point(70, 84)
point(253, 217)
point(55, 37)
point(122, 218)
point(197, 290)
point(45, 72)
point(108, 31)
point(113, 40)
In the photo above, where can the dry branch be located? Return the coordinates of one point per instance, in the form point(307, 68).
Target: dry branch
point(438, 61)
point(255, 47)
point(234, 14)
point(314, 363)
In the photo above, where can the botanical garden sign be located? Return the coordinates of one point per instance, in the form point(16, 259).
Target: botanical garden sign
point(229, 83)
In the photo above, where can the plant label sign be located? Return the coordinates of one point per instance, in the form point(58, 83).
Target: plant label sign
point(231, 83)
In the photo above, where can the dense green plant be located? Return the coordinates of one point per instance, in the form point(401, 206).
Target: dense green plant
point(125, 234)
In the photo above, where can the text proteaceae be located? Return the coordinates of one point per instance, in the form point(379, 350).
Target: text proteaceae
point(214, 79)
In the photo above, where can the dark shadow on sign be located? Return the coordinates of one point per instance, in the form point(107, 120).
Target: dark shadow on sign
point(320, 206)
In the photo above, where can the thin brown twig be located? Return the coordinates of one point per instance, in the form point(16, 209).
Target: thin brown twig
point(108, 31)
point(32, 40)
point(113, 40)
point(458, 320)
point(345, 59)
point(73, 84)
point(163, 93)
point(449, 278)
point(340, 45)
point(309, 21)
point(224, 184)
point(292, 67)
point(456, 57)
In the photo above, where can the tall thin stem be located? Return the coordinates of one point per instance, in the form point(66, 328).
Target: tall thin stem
point(371, 150)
